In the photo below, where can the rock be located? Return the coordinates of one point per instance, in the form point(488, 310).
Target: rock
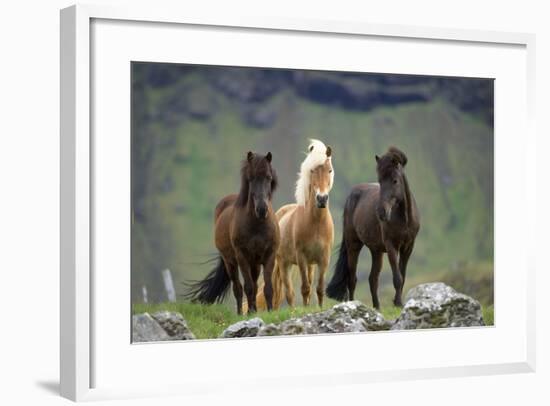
point(357, 310)
point(270, 330)
point(174, 325)
point(145, 328)
point(161, 326)
point(433, 305)
point(245, 328)
point(347, 317)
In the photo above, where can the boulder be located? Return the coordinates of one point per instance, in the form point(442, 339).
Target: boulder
point(347, 317)
point(174, 325)
point(435, 305)
point(145, 329)
point(357, 310)
point(245, 328)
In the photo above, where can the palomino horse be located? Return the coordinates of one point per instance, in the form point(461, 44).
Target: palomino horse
point(384, 217)
point(307, 230)
point(247, 237)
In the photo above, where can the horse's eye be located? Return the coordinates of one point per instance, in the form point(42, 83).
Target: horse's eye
point(330, 171)
point(395, 181)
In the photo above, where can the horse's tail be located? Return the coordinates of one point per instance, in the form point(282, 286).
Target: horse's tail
point(211, 289)
point(338, 286)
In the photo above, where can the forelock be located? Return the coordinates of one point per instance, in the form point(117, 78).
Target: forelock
point(386, 166)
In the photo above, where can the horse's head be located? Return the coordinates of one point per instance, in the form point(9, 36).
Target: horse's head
point(321, 179)
point(261, 181)
point(390, 170)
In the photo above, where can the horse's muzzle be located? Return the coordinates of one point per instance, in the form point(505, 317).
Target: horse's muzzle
point(322, 201)
point(383, 212)
point(261, 212)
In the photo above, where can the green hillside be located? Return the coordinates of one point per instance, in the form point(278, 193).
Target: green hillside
point(190, 135)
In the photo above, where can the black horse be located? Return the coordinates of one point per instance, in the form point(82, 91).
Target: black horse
point(384, 217)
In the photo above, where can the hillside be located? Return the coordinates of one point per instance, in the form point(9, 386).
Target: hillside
point(192, 126)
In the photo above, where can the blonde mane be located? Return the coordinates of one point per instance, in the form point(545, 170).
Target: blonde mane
point(316, 156)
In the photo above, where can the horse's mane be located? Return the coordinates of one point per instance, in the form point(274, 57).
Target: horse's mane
point(242, 197)
point(253, 163)
point(316, 156)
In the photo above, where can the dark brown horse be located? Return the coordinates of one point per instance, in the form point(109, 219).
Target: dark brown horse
point(384, 217)
point(246, 236)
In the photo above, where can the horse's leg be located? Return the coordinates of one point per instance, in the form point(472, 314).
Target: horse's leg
point(268, 281)
point(306, 285)
point(246, 271)
point(353, 249)
point(310, 273)
point(376, 267)
point(404, 255)
point(397, 279)
point(256, 270)
point(233, 273)
point(322, 270)
point(285, 268)
point(278, 285)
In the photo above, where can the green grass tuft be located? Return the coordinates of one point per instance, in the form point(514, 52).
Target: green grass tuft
point(390, 312)
point(488, 315)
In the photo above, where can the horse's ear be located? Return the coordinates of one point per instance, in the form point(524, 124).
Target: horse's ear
point(329, 151)
point(377, 158)
point(249, 156)
point(268, 157)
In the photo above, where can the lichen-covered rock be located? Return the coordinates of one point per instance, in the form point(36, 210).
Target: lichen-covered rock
point(174, 325)
point(245, 328)
point(434, 305)
point(347, 317)
point(357, 310)
point(145, 329)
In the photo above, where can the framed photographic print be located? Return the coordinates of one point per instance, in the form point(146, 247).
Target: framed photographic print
point(228, 196)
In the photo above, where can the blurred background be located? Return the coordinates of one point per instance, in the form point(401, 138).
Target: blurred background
point(192, 125)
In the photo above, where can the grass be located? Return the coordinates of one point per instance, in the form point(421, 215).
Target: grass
point(488, 314)
point(209, 321)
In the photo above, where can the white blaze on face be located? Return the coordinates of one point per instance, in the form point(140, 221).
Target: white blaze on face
point(321, 191)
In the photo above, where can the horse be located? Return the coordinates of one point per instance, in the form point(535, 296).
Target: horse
point(247, 237)
point(384, 217)
point(307, 229)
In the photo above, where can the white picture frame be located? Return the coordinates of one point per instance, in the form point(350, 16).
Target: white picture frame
point(78, 284)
